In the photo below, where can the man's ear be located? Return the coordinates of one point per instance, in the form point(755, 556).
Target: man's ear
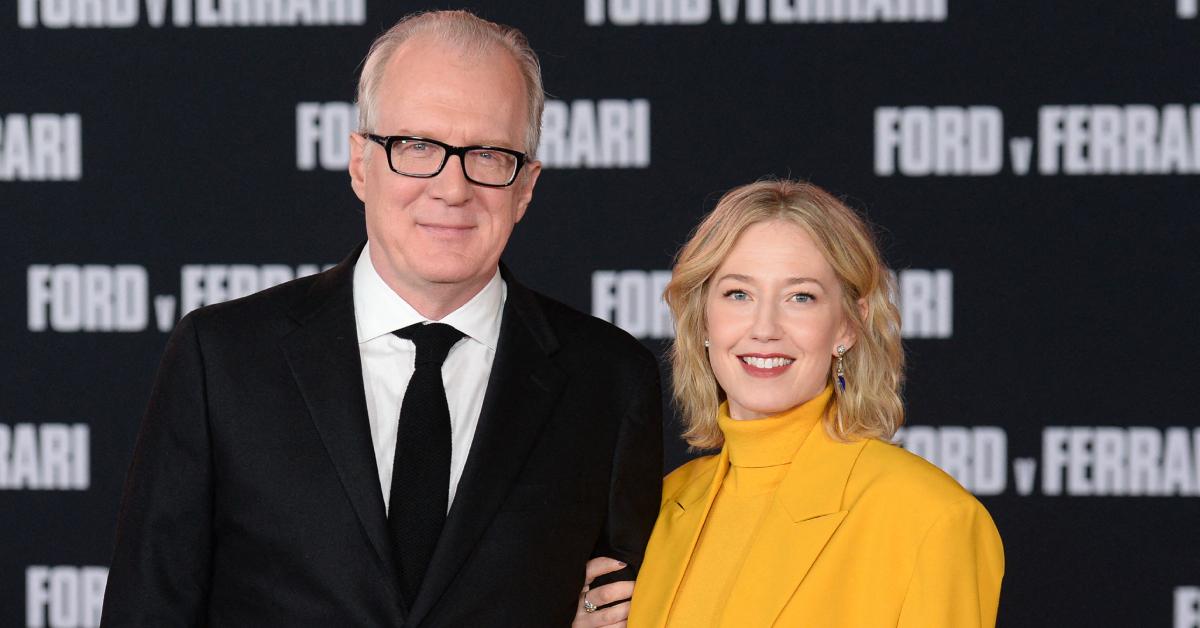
point(358, 169)
point(527, 180)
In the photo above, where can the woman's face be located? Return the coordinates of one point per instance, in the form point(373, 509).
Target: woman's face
point(774, 312)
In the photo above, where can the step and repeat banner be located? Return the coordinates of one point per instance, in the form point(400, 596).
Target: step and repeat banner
point(1032, 168)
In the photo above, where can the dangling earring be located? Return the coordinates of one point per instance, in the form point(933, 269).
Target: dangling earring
point(706, 343)
point(841, 367)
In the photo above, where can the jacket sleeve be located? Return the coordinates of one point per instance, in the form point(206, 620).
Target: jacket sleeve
point(635, 487)
point(956, 582)
point(160, 568)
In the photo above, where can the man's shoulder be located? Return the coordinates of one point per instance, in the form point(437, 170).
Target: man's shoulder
point(577, 331)
point(264, 311)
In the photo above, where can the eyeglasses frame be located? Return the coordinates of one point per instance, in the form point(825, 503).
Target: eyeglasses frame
point(386, 141)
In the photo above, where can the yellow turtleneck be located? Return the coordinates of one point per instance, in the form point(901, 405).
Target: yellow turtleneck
point(760, 453)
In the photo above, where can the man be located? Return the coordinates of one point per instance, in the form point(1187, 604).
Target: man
point(319, 454)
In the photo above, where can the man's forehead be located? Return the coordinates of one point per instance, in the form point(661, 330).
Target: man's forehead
point(432, 51)
point(430, 86)
point(437, 63)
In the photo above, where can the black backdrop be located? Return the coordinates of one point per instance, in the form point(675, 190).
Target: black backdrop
point(168, 154)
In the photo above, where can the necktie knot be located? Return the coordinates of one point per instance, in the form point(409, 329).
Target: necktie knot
point(433, 341)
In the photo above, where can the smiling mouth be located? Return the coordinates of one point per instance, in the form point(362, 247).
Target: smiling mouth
point(766, 362)
point(446, 229)
point(765, 365)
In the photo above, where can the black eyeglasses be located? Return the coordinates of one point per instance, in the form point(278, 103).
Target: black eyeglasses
point(421, 157)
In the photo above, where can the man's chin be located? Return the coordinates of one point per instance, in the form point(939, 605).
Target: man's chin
point(452, 275)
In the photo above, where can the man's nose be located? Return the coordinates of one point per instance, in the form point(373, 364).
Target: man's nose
point(451, 184)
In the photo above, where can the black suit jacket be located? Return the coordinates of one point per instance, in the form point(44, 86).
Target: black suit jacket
point(253, 497)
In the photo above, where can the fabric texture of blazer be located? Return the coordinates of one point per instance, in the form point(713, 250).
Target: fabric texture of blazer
point(253, 497)
point(858, 535)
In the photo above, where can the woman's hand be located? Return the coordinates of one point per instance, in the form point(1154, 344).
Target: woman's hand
point(612, 617)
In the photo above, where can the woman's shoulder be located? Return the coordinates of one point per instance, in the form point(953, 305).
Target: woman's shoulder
point(910, 497)
point(888, 473)
point(686, 473)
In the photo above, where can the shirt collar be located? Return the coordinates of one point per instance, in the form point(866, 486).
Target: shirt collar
point(378, 310)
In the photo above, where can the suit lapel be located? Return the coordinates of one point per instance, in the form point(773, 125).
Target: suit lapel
point(521, 393)
point(323, 355)
point(806, 512)
point(675, 534)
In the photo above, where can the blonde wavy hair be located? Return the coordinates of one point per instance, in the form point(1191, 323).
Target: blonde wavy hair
point(870, 406)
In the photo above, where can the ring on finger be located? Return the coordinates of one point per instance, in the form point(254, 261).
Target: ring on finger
point(588, 607)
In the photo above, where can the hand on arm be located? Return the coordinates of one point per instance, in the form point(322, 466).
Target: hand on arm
point(634, 494)
point(635, 486)
point(613, 616)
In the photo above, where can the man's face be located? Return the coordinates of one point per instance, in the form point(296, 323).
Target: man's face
point(442, 235)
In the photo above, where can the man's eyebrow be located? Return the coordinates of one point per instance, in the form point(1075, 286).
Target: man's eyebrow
point(498, 143)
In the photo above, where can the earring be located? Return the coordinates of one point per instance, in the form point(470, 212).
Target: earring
point(706, 343)
point(841, 367)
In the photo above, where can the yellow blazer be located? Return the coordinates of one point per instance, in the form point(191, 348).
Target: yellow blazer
point(859, 535)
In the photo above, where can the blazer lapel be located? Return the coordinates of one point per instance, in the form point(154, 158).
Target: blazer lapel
point(674, 537)
point(806, 512)
point(323, 355)
point(521, 393)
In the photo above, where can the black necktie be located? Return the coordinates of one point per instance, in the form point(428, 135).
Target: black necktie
point(421, 466)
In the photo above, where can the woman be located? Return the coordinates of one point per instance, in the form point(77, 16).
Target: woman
point(787, 357)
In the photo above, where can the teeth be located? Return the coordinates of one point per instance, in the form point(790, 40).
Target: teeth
point(767, 363)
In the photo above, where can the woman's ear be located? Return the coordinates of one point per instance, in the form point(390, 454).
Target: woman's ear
point(849, 334)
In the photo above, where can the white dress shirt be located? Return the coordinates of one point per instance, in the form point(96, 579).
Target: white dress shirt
point(388, 363)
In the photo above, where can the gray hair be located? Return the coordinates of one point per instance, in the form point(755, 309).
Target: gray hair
point(468, 32)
